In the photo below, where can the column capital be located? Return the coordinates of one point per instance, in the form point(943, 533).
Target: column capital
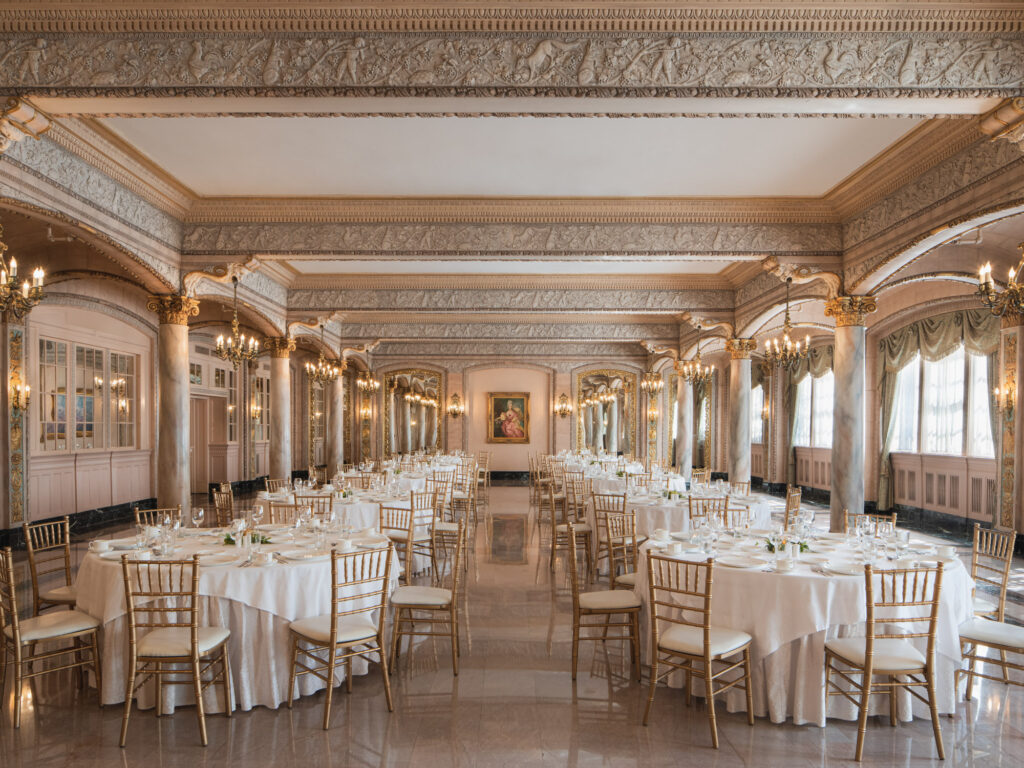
point(740, 349)
point(172, 308)
point(850, 310)
point(279, 346)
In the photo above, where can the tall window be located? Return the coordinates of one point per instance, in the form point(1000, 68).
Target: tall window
point(53, 400)
point(802, 413)
point(942, 415)
point(261, 401)
point(906, 407)
point(980, 440)
point(318, 411)
point(232, 407)
point(812, 422)
point(122, 400)
point(88, 397)
point(756, 413)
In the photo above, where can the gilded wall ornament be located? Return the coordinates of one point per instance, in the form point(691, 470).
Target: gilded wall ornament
point(850, 310)
point(173, 309)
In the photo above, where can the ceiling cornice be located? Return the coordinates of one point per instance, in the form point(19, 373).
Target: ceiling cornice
point(514, 282)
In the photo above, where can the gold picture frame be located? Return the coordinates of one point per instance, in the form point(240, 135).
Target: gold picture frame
point(508, 417)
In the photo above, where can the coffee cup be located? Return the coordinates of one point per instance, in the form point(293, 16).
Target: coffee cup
point(143, 554)
point(263, 558)
point(345, 545)
point(100, 545)
point(661, 533)
point(675, 548)
point(784, 564)
point(946, 550)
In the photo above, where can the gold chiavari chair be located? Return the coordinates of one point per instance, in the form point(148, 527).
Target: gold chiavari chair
point(464, 492)
point(346, 467)
point(738, 517)
point(623, 552)
point(440, 605)
point(740, 489)
point(163, 597)
point(683, 637)
point(577, 492)
point(424, 514)
point(18, 639)
point(609, 465)
point(560, 522)
point(321, 505)
point(902, 604)
point(710, 506)
point(793, 495)
point(547, 499)
point(318, 475)
point(883, 522)
point(638, 481)
point(223, 507)
point(991, 559)
point(362, 480)
point(284, 514)
point(605, 606)
point(605, 504)
point(153, 517)
point(409, 530)
point(49, 552)
point(701, 476)
point(360, 582)
point(483, 474)
point(275, 485)
point(444, 532)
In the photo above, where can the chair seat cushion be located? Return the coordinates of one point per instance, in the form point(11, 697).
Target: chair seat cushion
point(177, 641)
point(988, 632)
point(406, 596)
point(682, 638)
point(355, 629)
point(64, 594)
point(890, 654)
point(446, 527)
point(629, 579)
point(48, 626)
point(609, 600)
point(984, 605)
point(460, 495)
point(580, 528)
point(404, 536)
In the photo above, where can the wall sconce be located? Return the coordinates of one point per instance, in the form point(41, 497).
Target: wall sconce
point(652, 413)
point(766, 412)
point(256, 411)
point(98, 382)
point(20, 394)
point(122, 406)
point(366, 412)
point(1006, 397)
point(455, 406)
point(563, 408)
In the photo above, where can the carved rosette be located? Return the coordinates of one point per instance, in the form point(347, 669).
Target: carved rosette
point(850, 310)
point(279, 346)
point(172, 308)
point(740, 349)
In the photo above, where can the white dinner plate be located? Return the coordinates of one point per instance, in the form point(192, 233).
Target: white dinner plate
point(113, 555)
point(680, 535)
point(933, 560)
point(808, 557)
point(304, 556)
point(844, 568)
point(833, 536)
point(218, 558)
point(127, 543)
point(747, 561)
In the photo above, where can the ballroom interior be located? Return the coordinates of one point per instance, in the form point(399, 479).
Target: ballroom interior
point(774, 244)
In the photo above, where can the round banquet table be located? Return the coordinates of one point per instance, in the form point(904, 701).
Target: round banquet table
point(256, 603)
point(603, 482)
point(673, 515)
point(790, 616)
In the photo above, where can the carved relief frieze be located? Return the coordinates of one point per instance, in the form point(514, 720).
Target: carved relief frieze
point(504, 350)
point(517, 238)
point(523, 63)
point(483, 331)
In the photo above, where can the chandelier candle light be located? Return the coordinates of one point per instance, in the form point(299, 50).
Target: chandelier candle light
point(12, 299)
point(367, 382)
point(786, 352)
point(694, 371)
point(322, 371)
point(652, 383)
point(237, 348)
point(1010, 299)
point(455, 406)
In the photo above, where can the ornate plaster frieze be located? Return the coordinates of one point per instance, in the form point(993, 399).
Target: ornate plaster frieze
point(509, 300)
point(20, 120)
point(356, 240)
point(433, 350)
point(802, 274)
point(619, 63)
point(509, 330)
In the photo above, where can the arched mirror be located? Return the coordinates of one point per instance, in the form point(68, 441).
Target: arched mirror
point(412, 401)
point(606, 407)
point(703, 408)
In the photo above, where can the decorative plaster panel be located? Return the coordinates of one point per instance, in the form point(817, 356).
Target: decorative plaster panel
point(536, 331)
point(624, 63)
point(504, 350)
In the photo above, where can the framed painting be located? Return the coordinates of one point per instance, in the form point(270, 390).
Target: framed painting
point(508, 417)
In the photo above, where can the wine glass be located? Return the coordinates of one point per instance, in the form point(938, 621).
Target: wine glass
point(198, 513)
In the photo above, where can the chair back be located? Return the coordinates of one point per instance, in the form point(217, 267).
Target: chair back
point(8, 602)
point(576, 493)
point(740, 489)
point(638, 480)
point(362, 480)
point(574, 576)
point(902, 603)
point(223, 507)
point(442, 490)
point(702, 476)
point(609, 465)
point(738, 517)
point(680, 593)
point(708, 506)
point(883, 522)
point(424, 506)
point(991, 559)
point(453, 577)
point(153, 517)
point(395, 519)
point(360, 584)
point(318, 475)
point(321, 505)
point(162, 593)
point(621, 540)
point(275, 485)
point(793, 495)
point(49, 551)
point(284, 514)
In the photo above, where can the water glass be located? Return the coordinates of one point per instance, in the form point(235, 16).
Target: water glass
point(198, 513)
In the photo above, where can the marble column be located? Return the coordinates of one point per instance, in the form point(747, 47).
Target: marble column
point(599, 444)
point(587, 420)
point(613, 427)
point(393, 432)
point(13, 452)
point(847, 492)
point(739, 409)
point(684, 428)
point(422, 427)
point(406, 426)
point(280, 348)
point(336, 424)
point(173, 475)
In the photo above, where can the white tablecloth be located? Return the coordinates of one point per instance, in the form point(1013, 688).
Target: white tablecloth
point(790, 616)
point(610, 483)
point(674, 515)
point(256, 604)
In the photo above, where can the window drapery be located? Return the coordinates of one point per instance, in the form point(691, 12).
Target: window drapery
point(933, 338)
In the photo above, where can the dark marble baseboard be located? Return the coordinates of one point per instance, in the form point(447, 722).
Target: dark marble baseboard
point(82, 522)
point(510, 478)
point(256, 484)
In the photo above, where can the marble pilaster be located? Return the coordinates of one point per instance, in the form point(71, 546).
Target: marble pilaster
point(173, 476)
point(406, 426)
point(848, 367)
point(739, 409)
point(13, 453)
point(336, 425)
point(684, 428)
point(613, 427)
point(280, 348)
point(599, 432)
point(1010, 473)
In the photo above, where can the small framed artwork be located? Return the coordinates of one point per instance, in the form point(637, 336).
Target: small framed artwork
point(508, 415)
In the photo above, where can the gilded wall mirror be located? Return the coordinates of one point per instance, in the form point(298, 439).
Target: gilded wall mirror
point(703, 429)
point(606, 407)
point(412, 417)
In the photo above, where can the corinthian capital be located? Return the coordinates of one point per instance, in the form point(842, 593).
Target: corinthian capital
point(740, 349)
point(172, 308)
point(850, 310)
point(279, 346)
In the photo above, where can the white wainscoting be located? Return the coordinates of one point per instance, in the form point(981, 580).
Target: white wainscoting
point(262, 449)
point(224, 462)
point(70, 483)
point(757, 460)
point(957, 485)
point(814, 468)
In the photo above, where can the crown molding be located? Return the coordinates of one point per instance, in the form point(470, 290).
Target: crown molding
point(573, 282)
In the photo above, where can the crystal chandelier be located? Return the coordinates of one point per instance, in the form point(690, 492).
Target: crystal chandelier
point(652, 383)
point(786, 352)
point(1009, 300)
point(694, 371)
point(17, 301)
point(238, 348)
point(367, 383)
point(323, 371)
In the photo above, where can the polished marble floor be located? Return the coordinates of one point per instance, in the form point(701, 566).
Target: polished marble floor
point(512, 704)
